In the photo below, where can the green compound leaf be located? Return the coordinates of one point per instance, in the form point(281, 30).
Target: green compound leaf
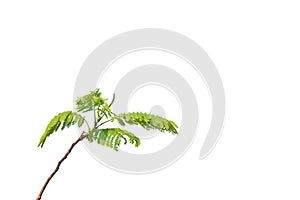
point(90, 101)
point(147, 121)
point(111, 137)
point(62, 120)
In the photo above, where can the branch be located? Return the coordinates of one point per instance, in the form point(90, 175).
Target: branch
point(104, 122)
point(83, 135)
point(113, 99)
point(95, 120)
point(87, 124)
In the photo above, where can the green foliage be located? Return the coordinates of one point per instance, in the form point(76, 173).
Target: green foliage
point(94, 102)
point(102, 111)
point(147, 121)
point(90, 101)
point(112, 137)
point(62, 120)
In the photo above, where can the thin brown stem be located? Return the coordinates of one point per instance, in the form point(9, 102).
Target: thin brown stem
point(58, 165)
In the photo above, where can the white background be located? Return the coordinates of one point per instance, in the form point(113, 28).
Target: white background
point(255, 46)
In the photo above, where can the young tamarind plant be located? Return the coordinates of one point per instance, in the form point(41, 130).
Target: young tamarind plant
point(110, 137)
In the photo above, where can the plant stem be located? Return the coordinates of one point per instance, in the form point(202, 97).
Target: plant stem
point(95, 120)
point(103, 123)
point(58, 165)
point(112, 101)
point(87, 124)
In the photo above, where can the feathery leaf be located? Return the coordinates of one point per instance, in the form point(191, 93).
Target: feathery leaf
point(90, 101)
point(112, 137)
point(63, 120)
point(147, 121)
